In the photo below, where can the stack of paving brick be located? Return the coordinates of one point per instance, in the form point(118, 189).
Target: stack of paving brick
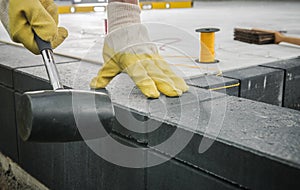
point(255, 145)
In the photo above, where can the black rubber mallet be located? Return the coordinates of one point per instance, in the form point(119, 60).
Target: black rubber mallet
point(62, 115)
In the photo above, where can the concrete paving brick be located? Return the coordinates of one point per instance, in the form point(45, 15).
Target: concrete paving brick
point(257, 146)
point(24, 82)
point(176, 175)
point(6, 76)
point(71, 75)
point(195, 116)
point(8, 131)
point(84, 169)
point(35, 78)
point(13, 57)
point(118, 177)
point(215, 82)
point(260, 84)
point(42, 160)
point(75, 166)
point(291, 67)
point(123, 91)
point(131, 107)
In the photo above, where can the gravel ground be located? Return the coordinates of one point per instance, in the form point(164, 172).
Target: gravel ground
point(12, 177)
point(9, 181)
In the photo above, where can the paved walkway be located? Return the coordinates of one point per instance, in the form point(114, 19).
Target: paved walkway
point(174, 30)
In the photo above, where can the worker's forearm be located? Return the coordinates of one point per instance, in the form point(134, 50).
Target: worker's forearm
point(125, 1)
point(122, 14)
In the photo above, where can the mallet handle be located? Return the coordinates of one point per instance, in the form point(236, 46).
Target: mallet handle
point(47, 53)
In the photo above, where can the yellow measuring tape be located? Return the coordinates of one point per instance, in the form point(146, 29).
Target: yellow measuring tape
point(207, 45)
point(213, 69)
point(225, 87)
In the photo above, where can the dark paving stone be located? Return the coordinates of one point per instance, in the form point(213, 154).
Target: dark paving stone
point(6, 76)
point(176, 175)
point(84, 169)
point(217, 83)
point(8, 131)
point(119, 177)
point(257, 146)
point(24, 82)
point(42, 160)
point(291, 67)
point(260, 84)
point(75, 166)
point(13, 57)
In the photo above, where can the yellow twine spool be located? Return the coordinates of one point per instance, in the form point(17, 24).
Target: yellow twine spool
point(207, 45)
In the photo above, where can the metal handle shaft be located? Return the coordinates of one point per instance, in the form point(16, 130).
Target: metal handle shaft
point(51, 69)
point(47, 54)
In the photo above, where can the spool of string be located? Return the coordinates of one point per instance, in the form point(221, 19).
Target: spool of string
point(207, 45)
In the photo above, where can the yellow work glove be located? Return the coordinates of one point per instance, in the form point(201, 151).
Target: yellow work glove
point(129, 49)
point(22, 17)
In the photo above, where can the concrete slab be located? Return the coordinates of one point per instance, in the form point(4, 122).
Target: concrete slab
point(83, 37)
point(255, 140)
point(3, 34)
point(260, 83)
point(8, 131)
point(291, 68)
point(13, 57)
point(123, 91)
point(130, 103)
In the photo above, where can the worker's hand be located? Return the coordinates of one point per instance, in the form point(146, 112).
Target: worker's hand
point(22, 17)
point(127, 48)
point(130, 50)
